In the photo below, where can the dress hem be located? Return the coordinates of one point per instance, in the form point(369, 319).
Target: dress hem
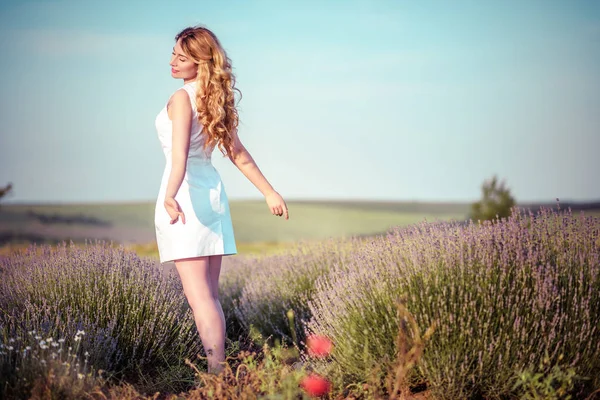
point(198, 255)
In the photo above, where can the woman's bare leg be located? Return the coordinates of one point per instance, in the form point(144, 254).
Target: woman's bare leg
point(215, 271)
point(198, 276)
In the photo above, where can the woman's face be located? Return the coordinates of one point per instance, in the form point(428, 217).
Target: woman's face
point(182, 67)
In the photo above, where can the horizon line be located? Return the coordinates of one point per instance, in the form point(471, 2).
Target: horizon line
point(298, 200)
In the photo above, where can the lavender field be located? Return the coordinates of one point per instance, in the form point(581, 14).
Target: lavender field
point(514, 307)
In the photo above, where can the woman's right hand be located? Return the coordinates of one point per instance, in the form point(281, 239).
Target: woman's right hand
point(174, 210)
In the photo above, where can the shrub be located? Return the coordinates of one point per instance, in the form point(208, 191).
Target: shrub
point(278, 283)
point(501, 294)
point(134, 317)
point(546, 383)
point(5, 190)
point(496, 202)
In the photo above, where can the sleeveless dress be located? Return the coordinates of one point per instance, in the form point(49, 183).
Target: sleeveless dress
point(208, 229)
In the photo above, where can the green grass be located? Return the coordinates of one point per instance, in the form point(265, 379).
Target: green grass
point(256, 229)
point(252, 220)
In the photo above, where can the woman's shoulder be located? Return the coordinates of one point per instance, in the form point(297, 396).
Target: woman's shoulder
point(190, 89)
point(180, 100)
point(184, 97)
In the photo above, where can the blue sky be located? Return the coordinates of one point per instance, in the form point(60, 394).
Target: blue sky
point(380, 100)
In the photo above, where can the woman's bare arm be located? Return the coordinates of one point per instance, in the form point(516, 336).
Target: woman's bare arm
point(246, 164)
point(242, 159)
point(181, 117)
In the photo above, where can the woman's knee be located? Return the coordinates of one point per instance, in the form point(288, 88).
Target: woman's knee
point(201, 304)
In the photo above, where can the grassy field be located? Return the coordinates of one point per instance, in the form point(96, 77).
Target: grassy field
point(134, 222)
point(256, 229)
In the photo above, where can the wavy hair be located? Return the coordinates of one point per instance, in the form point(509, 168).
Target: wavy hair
point(215, 84)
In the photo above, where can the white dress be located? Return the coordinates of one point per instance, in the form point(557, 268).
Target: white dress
point(208, 229)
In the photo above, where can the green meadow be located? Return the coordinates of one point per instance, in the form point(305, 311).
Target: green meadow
point(256, 229)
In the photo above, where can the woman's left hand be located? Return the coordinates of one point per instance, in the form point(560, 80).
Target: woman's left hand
point(277, 204)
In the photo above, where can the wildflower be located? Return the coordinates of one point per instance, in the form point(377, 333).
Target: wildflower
point(37, 337)
point(11, 340)
point(28, 348)
point(43, 342)
point(10, 347)
point(315, 385)
point(49, 340)
point(318, 346)
point(77, 338)
point(80, 376)
point(80, 333)
point(61, 340)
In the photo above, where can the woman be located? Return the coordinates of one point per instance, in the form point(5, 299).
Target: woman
point(192, 217)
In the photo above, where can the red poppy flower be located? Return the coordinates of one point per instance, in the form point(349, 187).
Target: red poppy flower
point(315, 385)
point(318, 346)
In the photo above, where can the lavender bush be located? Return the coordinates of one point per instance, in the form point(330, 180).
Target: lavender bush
point(501, 294)
point(132, 315)
point(278, 283)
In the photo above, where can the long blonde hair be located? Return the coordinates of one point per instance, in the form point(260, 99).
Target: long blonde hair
point(215, 84)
